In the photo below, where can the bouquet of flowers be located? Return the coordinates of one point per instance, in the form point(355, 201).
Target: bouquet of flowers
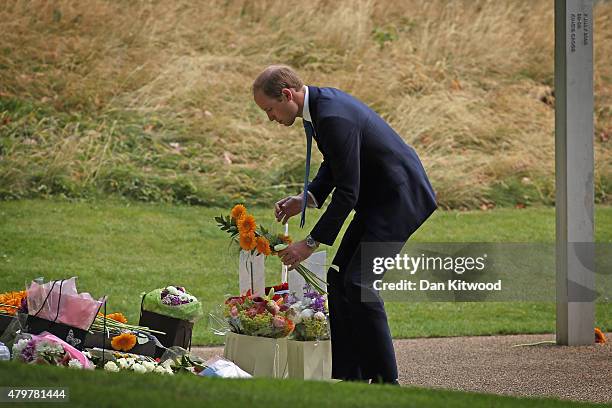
point(173, 301)
point(115, 361)
point(139, 366)
point(310, 316)
point(48, 349)
point(244, 230)
point(259, 316)
point(10, 302)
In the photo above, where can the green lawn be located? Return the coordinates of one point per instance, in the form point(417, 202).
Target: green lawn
point(102, 389)
point(123, 248)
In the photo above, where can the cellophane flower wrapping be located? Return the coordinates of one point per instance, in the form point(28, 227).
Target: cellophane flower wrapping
point(310, 315)
point(46, 348)
point(258, 316)
point(173, 301)
point(61, 302)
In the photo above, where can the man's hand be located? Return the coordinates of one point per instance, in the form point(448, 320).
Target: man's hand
point(288, 207)
point(295, 253)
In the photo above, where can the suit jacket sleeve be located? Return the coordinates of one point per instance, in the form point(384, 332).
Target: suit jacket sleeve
point(341, 142)
point(322, 184)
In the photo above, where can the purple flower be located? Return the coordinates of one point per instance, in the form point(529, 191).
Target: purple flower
point(175, 300)
point(23, 308)
point(27, 354)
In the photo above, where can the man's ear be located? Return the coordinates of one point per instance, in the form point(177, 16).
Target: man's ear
point(287, 94)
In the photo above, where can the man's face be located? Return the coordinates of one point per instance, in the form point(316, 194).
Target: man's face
point(283, 111)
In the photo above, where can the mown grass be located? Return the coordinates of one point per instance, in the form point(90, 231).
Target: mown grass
point(104, 389)
point(152, 100)
point(121, 249)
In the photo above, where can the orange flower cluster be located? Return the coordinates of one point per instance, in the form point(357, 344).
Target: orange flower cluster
point(118, 317)
point(124, 342)
point(11, 299)
point(599, 336)
point(249, 239)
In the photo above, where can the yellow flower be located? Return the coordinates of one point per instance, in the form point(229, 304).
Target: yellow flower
point(12, 299)
point(247, 241)
point(263, 246)
point(124, 342)
point(238, 212)
point(246, 224)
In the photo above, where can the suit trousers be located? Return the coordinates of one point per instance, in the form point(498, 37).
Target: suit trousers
point(362, 347)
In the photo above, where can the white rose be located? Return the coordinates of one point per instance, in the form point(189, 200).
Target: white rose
point(123, 363)
point(173, 291)
point(149, 366)
point(160, 370)
point(183, 297)
point(306, 314)
point(139, 368)
point(319, 316)
point(74, 363)
point(169, 371)
point(111, 366)
point(168, 364)
point(19, 346)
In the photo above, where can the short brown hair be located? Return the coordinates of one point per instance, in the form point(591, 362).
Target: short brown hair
point(275, 78)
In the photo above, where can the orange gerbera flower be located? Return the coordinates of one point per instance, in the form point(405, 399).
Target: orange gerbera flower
point(247, 241)
point(599, 336)
point(238, 212)
point(124, 342)
point(246, 224)
point(118, 317)
point(263, 246)
point(11, 299)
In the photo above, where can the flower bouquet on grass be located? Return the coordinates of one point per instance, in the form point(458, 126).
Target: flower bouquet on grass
point(259, 316)
point(310, 316)
point(173, 301)
point(11, 302)
point(175, 360)
point(113, 331)
point(131, 364)
point(244, 230)
point(47, 349)
point(171, 310)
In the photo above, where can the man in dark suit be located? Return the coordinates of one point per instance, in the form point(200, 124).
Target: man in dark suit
point(371, 170)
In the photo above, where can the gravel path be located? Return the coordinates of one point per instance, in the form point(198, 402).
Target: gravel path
point(490, 364)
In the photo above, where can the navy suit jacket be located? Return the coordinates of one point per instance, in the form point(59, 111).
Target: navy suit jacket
point(365, 161)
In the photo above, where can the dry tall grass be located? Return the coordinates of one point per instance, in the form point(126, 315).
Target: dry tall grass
point(152, 98)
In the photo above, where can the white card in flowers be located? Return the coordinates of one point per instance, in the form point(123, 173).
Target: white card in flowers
point(251, 272)
point(316, 264)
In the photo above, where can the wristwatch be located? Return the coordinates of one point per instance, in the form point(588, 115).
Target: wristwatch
point(311, 243)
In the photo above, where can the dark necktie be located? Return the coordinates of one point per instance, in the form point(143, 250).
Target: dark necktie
point(309, 134)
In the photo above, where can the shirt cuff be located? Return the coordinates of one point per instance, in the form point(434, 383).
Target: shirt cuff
point(314, 201)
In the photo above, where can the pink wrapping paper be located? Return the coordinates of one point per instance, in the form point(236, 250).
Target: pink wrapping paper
point(72, 352)
point(75, 309)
